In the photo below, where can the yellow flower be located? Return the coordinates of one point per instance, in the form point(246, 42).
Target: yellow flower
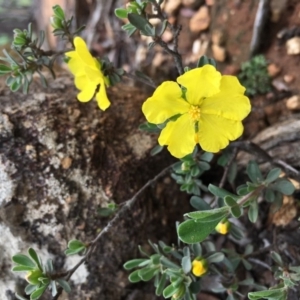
point(210, 112)
point(223, 227)
point(199, 266)
point(88, 74)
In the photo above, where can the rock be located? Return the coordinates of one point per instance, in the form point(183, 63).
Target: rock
point(273, 70)
point(279, 85)
point(293, 46)
point(171, 6)
point(192, 3)
point(288, 78)
point(200, 20)
point(293, 103)
point(219, 53)
point(218, 37)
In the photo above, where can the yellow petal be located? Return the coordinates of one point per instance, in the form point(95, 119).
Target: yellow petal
point(215, 132)
point(101, 97)
point(87, 93)
point(200, 83)
point(81, 81)
point(93, 74)
point(165, 103)
point(76, 66)
point(83, 51)
point(230, 102)
point(179, 135)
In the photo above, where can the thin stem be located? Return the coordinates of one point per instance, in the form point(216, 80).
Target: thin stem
point(92, 245)
point(141, 79)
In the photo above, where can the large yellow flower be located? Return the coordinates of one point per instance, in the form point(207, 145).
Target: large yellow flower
point(88, 74)
point(210, 111)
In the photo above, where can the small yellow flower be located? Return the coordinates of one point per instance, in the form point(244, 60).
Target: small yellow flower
point(210, 113)
point(223, 227)
point(88, 75)
point(199, 266)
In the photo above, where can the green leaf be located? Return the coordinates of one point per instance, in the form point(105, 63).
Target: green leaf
point(75, 244)
point(147, 274)
point(229, 201)
point(197, 249)
point(23, 260)
point(203, 60)
point(142, 24)
point(157, 149)
point(168, 263)
point(161, 284)
point(219, 192)
point(273, 294)
point(38, 293)
point(134, 263)
point(215, 257)
point(253, 211)
point(186, 264)
point(246, 264)
point(192, 231)
point(4, 69)
point(236, 211)
point(284, 186)
point(209, 215)
point(20, 297)
point(134, 276)
point(277, 258)
point(69, 252)
point(199, 204)
point(253, 172)
point(269, 195)
point(232, 172)
point(22, 268)
point(58, 12)
point(35, 257)
point(30, 288)
point(64, 284)
point(273, 175)
point(121, 13)
point(169, 291)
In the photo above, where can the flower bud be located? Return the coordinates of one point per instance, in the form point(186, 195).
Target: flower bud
point(185, 166)
point(223, 227)
point(56, 22)
point(199, 266)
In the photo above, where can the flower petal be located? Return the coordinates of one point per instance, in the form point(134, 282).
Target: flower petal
point(76, 66)
point(101, 97)
point(87, 93)
point(81, 81)
point(215, 132)
point(230, 102)
point(179, 135)
point(83, 52)
point(200, 83)
point(165, 103)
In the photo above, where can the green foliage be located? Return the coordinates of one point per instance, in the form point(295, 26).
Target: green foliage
point(38, 276)
point(254, 76)
point(74, 247)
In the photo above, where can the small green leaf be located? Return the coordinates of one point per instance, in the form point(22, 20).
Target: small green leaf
point(135, 263)
point(246, 264)
point(147, 274)
point(209, 215)
point(277, 258)
point(273, 294)
point(269, 195)
point(69, 252)
point(22, 268)
point(4, 69)
point(191, 231)
point(129, 28)
point(197, 249)
point(186, 264)
point(157, 149)
point(232, 172)
point(203, 60)
point(253, 172)
point(169, 291)
point(229, 201)
point(134, 276)
point(58, 12)
point(75, 244)
point(20, 297)
point(64, 284)
point(161, 284)
point(38, 292)
point(30, 288)
point(219, 192)
point(215, 257)
point(273, 175)
point(141, 23)
point(23, 260)
point(236, 211)
point(253, 211)
point(168, 263)
point(35, 257)
point(121, 13)
point(284, 186)
point(198, 203)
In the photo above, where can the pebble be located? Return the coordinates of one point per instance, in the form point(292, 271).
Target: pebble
point(288, 78)
point(293, 103)
point(219, 53)
point(200, 20)
point(273, 70)
point(280, 85)
point(172, 6)
point(293, 46)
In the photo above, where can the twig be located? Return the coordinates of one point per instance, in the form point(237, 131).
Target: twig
point(255, 149)
point(141, 79)
point(92, 245)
